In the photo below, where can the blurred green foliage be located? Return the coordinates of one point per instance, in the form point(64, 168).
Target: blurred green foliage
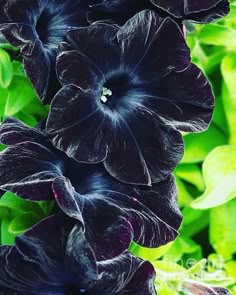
point(205, 250)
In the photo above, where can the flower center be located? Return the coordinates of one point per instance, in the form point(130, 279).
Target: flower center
point(116, 90)
point(106, 94)
point(72, 289)
point(42, 27)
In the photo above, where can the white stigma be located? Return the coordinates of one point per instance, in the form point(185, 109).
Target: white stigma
point(105, 92)
point(104, 99)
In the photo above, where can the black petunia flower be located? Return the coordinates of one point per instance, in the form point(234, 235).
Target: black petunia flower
point(56, 258)
point(37, 27)
point(193, 10)
point(191, 287)
point(126, 93)
point(33, 169)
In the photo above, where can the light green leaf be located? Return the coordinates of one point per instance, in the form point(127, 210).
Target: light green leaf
point(194, 221)
point(222, 229)
point(197, 146)
point(3, 100)
point(219, 117)
point(191, 173)
point(6, 70)
point(23, 222)
point(219, 172)
point(20, 205)
point(183, 246)
point(230, 268)
point(20, 93)
point(150, 254)
point(184, 197)
point(228, 69)
point(219, 35)
point(7, 238)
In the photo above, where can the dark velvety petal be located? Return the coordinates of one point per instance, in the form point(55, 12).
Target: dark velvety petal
point(17, 273)
point(80, 262)
point(38, 28)
point(143, 139)
point(142, 281)
point(74, 68)
point(82, 130)
point(175, 8)
point(221, 291)
point(28, 170)
point(106, 230)
point(153, 46)
point(36, 262)
point(95, 42)
point(35, 58)
point(183, 100)
point(125, 160)
point(13, 131)
point(221, 9)
point(198, 288)
point(198, 5)
point(7, 291)
point(64, 196)
point(199, 11)
point(130, 276)
point(76, 125)
point(20, 35)
point(23, 11)
point(37, 67)
point(152, 212)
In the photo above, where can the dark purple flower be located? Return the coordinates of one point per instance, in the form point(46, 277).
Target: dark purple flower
point(194, 10)
point(56, 257)
point(33, 169)
point(126, 93)
point(191, 287)
point(37, 27)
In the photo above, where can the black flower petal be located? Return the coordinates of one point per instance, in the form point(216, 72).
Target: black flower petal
point(30, 164)
point(38, 27)
point(125, 96)
point(150, 211)
point(13, 131)
point(197, 288)
point(32, 168)
point(55, 257)
point(198, 11)
point(140, 283)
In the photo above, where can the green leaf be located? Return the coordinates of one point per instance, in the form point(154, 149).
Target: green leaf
point(7, 238)
point(194, 221)
point(148, 253)
point(23, 222)
point(20, 205)
point(26, 118)
point(228, 69)
point(6, 70)
point(184, 197)
point(222, 229)
point(219, 35)
point(219, 172)
point(197, 146)
point(183, 246)
point(20, 93)
point(5, 212)
point(230, 268)
point(219, 117)
point(3, 100)
point(191, 173)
